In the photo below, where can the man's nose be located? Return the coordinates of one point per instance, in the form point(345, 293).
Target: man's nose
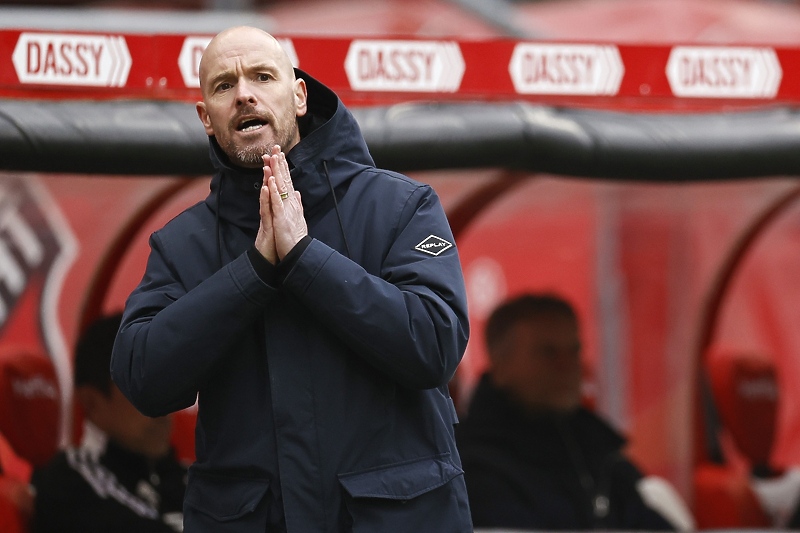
point(244, 94)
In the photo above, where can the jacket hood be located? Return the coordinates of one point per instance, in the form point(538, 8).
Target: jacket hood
point(331, 148)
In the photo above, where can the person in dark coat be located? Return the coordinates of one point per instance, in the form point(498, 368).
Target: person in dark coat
point(533, 457)
point(315, 307)
point(124, 476)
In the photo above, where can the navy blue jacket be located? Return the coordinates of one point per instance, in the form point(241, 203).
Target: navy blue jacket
point(322, 382)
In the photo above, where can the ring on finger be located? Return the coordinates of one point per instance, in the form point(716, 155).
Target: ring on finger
point(284, 195)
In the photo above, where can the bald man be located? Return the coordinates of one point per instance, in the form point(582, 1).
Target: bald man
point(314, 305)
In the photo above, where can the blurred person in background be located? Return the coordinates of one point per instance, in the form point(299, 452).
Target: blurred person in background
point(123, 477)
point(533, 457)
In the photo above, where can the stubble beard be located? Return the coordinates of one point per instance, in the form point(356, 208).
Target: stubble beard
point(250, 155)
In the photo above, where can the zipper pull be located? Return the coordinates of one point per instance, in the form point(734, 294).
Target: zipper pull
point(601, 505)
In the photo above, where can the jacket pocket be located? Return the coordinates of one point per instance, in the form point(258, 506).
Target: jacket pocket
point(224, 498)
point(395, 497)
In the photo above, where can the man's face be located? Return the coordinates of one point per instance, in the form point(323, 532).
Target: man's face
point(120, 420)
point(541, 363)
point(251, 99)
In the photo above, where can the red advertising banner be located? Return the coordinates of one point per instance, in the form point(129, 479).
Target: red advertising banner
point(80, 65)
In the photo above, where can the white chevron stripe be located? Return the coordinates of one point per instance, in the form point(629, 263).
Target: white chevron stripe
point(105, 484)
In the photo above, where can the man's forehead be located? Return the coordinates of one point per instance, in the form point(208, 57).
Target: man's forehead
point(245, 58)
point(247, 43)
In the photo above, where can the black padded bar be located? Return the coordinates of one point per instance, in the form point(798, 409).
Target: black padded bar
point(166, 138)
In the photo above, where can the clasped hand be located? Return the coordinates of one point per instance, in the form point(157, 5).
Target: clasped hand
point(282, 221)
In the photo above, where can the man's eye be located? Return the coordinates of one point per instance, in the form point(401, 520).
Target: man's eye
point(223, 86)
point(264, 77)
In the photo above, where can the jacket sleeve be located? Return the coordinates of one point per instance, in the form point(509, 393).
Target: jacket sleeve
point(410, 322)
point(170, 338)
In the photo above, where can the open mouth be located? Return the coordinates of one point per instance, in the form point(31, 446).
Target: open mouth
point(251, 124)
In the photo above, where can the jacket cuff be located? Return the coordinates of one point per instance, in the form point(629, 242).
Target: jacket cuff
point(285, 266)
point(265, 270)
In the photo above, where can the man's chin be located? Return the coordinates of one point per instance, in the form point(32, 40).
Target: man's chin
point(250, 156)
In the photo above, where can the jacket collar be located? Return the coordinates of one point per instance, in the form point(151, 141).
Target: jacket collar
point(234, 190)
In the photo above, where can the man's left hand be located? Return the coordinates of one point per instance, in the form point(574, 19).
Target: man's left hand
point(288, 221)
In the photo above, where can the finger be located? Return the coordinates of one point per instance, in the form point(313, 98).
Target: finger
point(265, 195)
point(275, 166)
point(276, 197)
point(280, 169)
point(263, 203)
point(265, 238)
point(267, 168)
point(275, 150)
point(286, 175)
point(267, 157)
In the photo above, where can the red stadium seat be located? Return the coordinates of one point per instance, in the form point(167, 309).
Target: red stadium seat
point(183, 423)
point(30, 405)
point(11, 520)
point(11, 464)
point(724, 499)
point(745, 391)
point(16, 500)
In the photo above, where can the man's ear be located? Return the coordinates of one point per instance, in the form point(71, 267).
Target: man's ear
point(204, 118)
point(300, 97)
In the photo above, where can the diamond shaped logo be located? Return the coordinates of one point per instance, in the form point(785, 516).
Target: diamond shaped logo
point(433, 245)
